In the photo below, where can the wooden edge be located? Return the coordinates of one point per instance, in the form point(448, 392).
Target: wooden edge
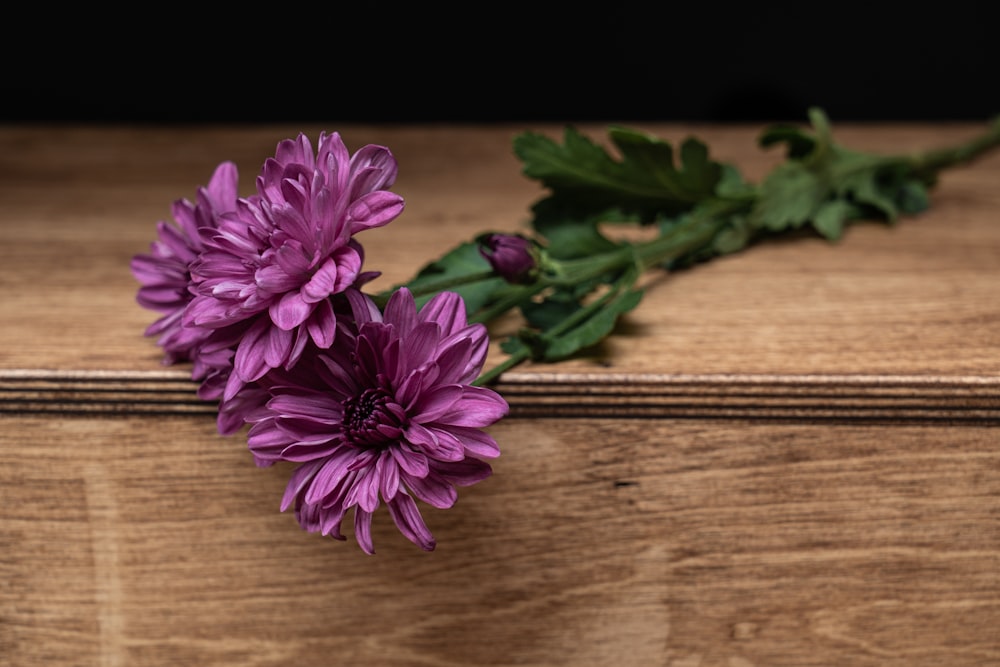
point(735, 396)
point(890, 398)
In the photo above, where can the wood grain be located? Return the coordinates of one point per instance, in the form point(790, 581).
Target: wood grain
point(913, 299)
point(784, 457)
point(596, 542)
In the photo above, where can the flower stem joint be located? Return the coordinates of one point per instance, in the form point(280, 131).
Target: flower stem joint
point(513, 257)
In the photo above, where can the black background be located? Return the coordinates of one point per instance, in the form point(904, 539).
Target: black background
point(487, 63)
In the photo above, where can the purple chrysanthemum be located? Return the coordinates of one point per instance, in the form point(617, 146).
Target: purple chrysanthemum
point(388, 414)
point(271, 266)
point(164, 273)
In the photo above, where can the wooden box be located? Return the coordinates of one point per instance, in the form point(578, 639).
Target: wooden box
point(787, 456)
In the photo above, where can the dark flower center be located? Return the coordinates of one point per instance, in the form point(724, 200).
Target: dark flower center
point(372, 419)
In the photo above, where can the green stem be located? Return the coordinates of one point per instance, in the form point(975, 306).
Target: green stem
point(508, 302)
point(935, 160)
point(524, 354)
point(695, 231)
point(690, 234)
point(586, 312)
point(435, 286)
point(510, 362)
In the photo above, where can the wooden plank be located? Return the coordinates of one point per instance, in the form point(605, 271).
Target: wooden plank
point(913, 299)
point(596, 542)
point(785, 457)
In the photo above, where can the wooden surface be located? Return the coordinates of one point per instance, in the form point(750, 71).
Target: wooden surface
point(785, 457)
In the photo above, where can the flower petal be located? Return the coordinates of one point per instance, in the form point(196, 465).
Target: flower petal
point(363, 307)
point(447, 309)
point(291, 311)
point(432, 489)
point(388, 475)
point(476, 442)
point(322, 283)
point(478, 407)
point(322, 325)
point(464, 473)
point(374, 209)
point(401, 311)
point(407, 518)
point(301, 478)
point(330, 520)
point(363, 530)
point(250, 363)
point(412, 462)
point(276, 279)
point(327, 480)
point(447, 446)
point(277, 344)
point(435, 402)
point(364, 490)
point(372, 168)
point(222, 190)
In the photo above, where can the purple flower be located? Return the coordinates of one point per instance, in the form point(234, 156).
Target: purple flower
point(272, 265)
point(389, 413)
point(213, 367)
point(164, 273)
point(166, 287)
point(511, 256)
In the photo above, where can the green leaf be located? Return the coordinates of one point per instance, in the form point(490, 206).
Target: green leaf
point(592, 330)
point(732, 186)
point(800, 143)
point(912, 197)
point(550, 312)
point(653, 158)
point(831, 216)
point(789, 197)
point(462, 269)
point(733, 237)
point(863, 187)
point(515, 345)
point(701, 209)
point(643, 154)
point(698, 174)
point(828, 186)
point(568, 236)
point(584, 178)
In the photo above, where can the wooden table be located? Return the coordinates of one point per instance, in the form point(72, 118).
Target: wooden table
point(787, 456)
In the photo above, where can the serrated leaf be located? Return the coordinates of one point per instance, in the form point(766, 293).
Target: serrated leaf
point(831, 216)
point(828, 185)
point(694, 180)
point(732, 186)
point(643, 154)
point(789, 197)
point(698, 173)
point(583, 176)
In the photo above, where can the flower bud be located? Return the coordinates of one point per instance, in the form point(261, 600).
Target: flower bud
point(512, 257)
